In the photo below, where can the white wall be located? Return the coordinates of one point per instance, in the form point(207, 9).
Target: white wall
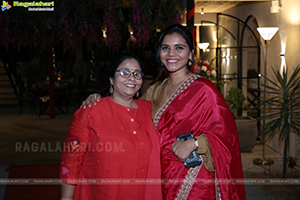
point(288, 21)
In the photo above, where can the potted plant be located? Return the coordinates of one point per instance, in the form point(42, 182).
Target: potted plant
point(236, 101)
point(247, 129)
point(282, 108)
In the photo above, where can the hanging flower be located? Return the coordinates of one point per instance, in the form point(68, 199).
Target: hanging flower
point(141, 22)
point(75, 22)
point(109, 19)
point(4, 25)
point(178, 16)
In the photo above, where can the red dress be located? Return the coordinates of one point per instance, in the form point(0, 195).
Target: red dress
point(112, 152)
point(197, 106)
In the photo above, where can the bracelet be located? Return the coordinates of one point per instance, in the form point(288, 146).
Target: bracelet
point(66, 198)
point(196, 142)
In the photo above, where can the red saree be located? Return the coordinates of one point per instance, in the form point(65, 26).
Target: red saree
point(197, 106)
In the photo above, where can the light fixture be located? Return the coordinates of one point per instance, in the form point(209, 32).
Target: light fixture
point(202, 12)
point(130, 30)
point(275, 7)
point(203, 45)
point(267, 34)
point(283, 63)
point(283, 48)
point(104, 30)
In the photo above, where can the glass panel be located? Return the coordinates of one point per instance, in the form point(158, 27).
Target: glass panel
point(239, 51)
point(228, 64)
point(235, 51)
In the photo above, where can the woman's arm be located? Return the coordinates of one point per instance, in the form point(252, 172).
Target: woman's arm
point(183, 149)
point(74, 151)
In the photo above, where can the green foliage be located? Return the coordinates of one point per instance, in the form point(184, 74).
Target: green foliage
point(236, 100)
point(282, 104)
point(77, 21)
point(282, 108)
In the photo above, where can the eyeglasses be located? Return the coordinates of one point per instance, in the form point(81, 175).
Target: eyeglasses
point(125, 73)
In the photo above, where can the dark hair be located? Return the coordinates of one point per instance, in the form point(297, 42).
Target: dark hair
point(114, 63)
point(118, 60)
point(175, 28)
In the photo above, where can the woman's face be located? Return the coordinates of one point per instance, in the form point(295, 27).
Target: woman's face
point(175, 52)
point(126, 87)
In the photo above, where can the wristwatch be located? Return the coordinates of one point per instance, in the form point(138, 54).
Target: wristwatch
point(196, 142)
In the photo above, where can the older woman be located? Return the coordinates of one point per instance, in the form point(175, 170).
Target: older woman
point(113, 147)
point(184, 103)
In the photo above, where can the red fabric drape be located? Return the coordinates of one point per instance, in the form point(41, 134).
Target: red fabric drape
point(190, 16)
point(201, 109)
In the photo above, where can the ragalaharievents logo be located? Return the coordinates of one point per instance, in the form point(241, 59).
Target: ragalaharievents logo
point(31, 6)
point(5, 6)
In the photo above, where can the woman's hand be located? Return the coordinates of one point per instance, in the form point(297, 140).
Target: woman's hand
point(93, 98)
point(183, 149)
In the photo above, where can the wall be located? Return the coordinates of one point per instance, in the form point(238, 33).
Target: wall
point(285, 41)
point(288, 21)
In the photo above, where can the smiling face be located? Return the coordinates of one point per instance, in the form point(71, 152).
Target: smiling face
point(126, 88)
point(175, 52)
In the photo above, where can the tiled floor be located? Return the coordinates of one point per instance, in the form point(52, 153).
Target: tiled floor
point(257, 152)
